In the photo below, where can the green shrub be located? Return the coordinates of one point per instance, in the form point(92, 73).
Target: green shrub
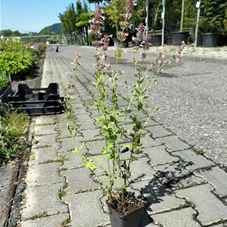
point(15, 62)
point(12, 130)
point(4, 80)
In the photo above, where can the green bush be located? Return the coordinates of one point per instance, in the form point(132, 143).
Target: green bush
point(4, 80)
point(15, 62)
point(15, 57)
point(12, 129)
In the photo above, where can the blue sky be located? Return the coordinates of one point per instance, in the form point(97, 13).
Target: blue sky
point(30, 15)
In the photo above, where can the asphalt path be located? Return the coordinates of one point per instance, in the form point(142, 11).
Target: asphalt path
point(190, 94)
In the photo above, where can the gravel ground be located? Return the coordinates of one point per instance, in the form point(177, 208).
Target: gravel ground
point(191, 96)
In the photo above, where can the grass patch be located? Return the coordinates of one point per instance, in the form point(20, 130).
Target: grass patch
point(13, 128)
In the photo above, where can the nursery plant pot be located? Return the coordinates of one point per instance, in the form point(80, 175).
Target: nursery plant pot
point(178, 37)
point(169, 40)
point(156, 40)
point(129, 220)
point(210, 39)
point(118, 43)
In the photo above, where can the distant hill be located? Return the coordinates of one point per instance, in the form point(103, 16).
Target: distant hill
point(55, 28)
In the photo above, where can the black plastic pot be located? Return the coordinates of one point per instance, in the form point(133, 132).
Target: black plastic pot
point(210, 39)
point(169, 40)
point(130, 220)
point(118, 43)
point(156, 40)
point(178, 37)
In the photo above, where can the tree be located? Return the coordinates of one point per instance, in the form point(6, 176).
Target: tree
point(213, 15)
point(68, 21)
point(6, 32)
point(82, 20)
point(46, 31)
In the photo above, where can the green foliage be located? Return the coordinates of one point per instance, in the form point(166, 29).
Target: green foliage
point(14, 62)
point(113, 14)
point(4, 80)
point(213, 16)
point(68, 20)
point(174, 13)
point(46, 31)
point(15, 57)
point(12, 129)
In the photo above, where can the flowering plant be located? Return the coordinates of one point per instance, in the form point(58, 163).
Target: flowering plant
point(121, 127)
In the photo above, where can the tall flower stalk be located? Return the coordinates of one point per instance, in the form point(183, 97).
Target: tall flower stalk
point(113, 118)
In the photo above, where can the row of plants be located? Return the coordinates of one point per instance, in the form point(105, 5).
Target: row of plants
point(180, 16)
point(13, 127)
point(17, 58)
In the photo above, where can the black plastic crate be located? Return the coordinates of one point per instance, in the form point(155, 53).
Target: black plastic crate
point(37, 101)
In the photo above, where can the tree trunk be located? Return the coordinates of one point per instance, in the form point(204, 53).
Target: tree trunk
point(182, 16)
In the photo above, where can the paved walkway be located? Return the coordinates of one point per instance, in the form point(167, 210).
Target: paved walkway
point(182, 187)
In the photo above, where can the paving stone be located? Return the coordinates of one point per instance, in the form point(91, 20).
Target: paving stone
point(44, 174)
point(210, 208)
point(158, 131)
point(41, 155)
point(151, 123)
point(217, 177)
point(73, 161)
point(67, 145)
point(158, 196)
point(147, 141)
point(159, 155)
point(45, 120)
point(177, 176)
point(80, 179)
point(196, 161)
point(89, 124)
point(45, 141)
point(91, 134)
point(173, 143)
point(64, 132)
point(80, 111)
point(39, 199)
point(77, 106)
point(53, 221)
point(221, 225)
point(45, 129)
point(95, 147)
point(141, 170)
point(86, 210)
point(83, 117)
point(177, 218)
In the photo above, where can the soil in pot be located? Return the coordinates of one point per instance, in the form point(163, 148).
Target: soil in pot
point(125, 214)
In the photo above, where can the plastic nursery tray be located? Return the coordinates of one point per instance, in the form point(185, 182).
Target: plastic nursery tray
point(37, 101)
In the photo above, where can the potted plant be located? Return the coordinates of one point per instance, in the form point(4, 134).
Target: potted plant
point(122, 143)
point(178, 36)
point(155, 18)
point(114, 12)
point(211, 23)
